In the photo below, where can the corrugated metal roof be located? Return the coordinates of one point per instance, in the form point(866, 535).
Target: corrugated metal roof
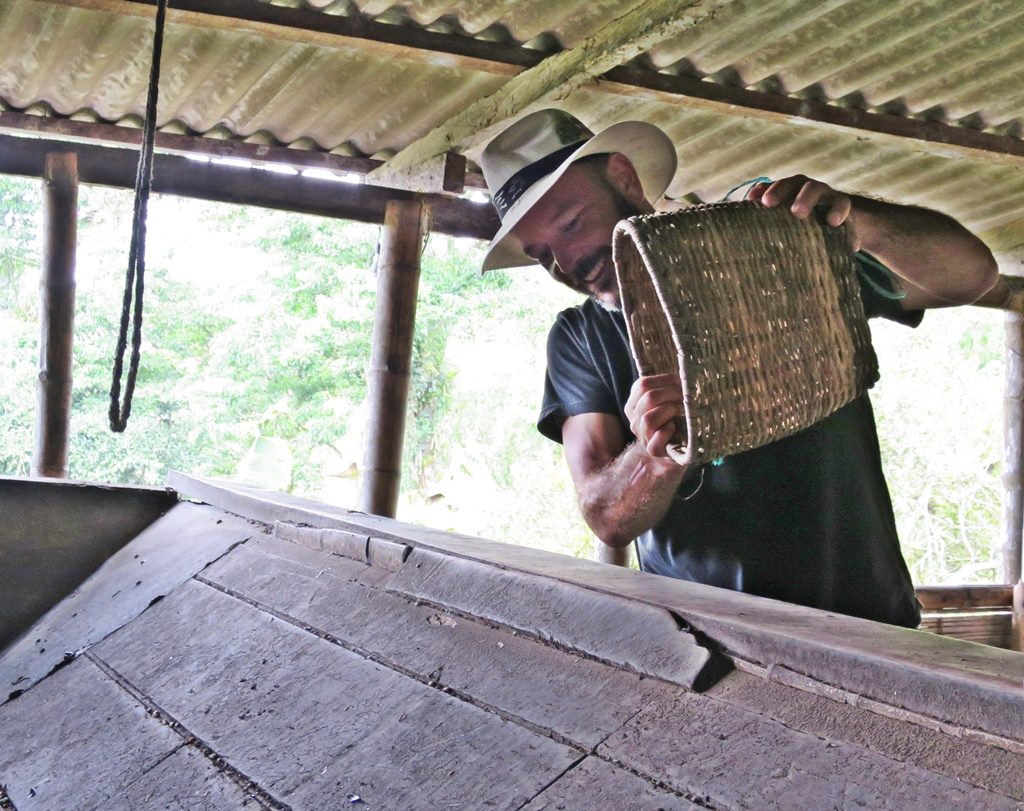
point(943, 60)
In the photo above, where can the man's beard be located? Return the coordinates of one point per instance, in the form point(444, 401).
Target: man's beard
point(623, 210)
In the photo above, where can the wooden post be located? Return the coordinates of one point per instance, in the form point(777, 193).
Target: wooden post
point(1013, 508)
point(56, 315)
point(406, 223)
point(609, 554)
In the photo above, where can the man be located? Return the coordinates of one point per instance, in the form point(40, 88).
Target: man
point(806, 519)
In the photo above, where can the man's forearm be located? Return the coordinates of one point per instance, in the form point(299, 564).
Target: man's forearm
point(929, 250)
point(630, 495)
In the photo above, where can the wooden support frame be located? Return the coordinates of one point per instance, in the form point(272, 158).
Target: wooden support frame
point(361, 33)
point(619, 41)
point(174, 174)
point(941, 598)
point(609, 554)
point(406, 225)
point(56, 315)
point(452, 176)
point(1013, 498)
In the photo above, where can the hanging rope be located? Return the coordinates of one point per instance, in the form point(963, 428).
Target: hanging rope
point(134, 283)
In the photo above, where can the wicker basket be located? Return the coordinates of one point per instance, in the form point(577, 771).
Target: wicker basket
point(758, 312)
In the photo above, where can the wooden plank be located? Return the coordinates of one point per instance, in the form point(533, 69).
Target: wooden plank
point(617, 42)
point(642, 638)
point(595, 783)
point(957, 682)
point(442, 173)
point(1017, 624)
point(311, 722)
point(157, 561)
point(385, 41)
point(833, 719)
point(993, 629)
point(185, 781)
point(453, 179)
point(75, 740)
point(406, 225)
point(580, 700)
point(43, 554)
point(307, 26)
point(174, 174)
point(387, 554)
point(740, 759)
point(935, 598)
point(934, 137)
point(56, 315)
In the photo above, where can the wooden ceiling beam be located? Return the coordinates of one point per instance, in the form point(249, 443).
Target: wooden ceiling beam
point(509, 59)
point(939, 137)
point(616, 43)
point(226, 183)
point(453, 179)
point(309, 27)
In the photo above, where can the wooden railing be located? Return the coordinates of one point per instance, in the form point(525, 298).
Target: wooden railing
point(974, 613)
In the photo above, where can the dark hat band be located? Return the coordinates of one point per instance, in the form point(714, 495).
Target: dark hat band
point(513, 188)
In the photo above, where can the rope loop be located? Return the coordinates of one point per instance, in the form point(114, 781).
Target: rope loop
point(134, 284)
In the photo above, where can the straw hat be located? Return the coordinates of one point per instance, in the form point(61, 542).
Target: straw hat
point(522, 163)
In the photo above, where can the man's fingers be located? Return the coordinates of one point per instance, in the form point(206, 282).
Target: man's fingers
point(839, 211)
point(757, 191)
point(802, 194)
point(659, 387)
point(657, 445)
point(649, 424)
point(782, 191)
point(655, 401)
point(809, 195)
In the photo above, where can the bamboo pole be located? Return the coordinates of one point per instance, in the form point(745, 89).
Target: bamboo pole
point(609, 554)
point(1013, 509)
point(1006, 294)
point(406, 223)
point(56, 316)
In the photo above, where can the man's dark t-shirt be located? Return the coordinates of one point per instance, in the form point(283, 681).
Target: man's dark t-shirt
point(806, 519)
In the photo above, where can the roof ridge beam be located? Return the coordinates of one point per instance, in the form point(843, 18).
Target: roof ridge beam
point(310, 27)
point(616, 43)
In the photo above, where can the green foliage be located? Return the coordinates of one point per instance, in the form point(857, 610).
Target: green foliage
point(256, 343)
point(20, 227)
point(939, 413)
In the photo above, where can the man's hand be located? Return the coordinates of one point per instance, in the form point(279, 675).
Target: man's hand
point(940, 262)
point(802, 194)
point(654, 403)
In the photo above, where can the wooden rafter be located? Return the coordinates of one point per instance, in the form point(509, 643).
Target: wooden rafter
point(308, 27)
point(103, 134)
point(614, 77)
point(618, 42)
point(175, 174)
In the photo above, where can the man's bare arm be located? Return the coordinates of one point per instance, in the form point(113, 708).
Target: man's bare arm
point(941, 263)
point(622, 489)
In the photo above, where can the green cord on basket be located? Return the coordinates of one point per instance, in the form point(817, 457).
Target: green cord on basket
point(750, 182)
point(869, 260)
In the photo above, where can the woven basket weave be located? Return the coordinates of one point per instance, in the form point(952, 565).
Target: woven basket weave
point(758, 312)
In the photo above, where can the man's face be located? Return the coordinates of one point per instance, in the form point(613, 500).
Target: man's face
point(569, 231)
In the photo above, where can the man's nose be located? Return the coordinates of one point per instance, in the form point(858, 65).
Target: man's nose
point(564, 260)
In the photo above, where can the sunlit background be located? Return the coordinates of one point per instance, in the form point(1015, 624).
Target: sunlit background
point(257, 337)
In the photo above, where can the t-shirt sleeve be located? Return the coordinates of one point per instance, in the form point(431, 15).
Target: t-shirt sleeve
point(881, 291)
point(573, 385)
